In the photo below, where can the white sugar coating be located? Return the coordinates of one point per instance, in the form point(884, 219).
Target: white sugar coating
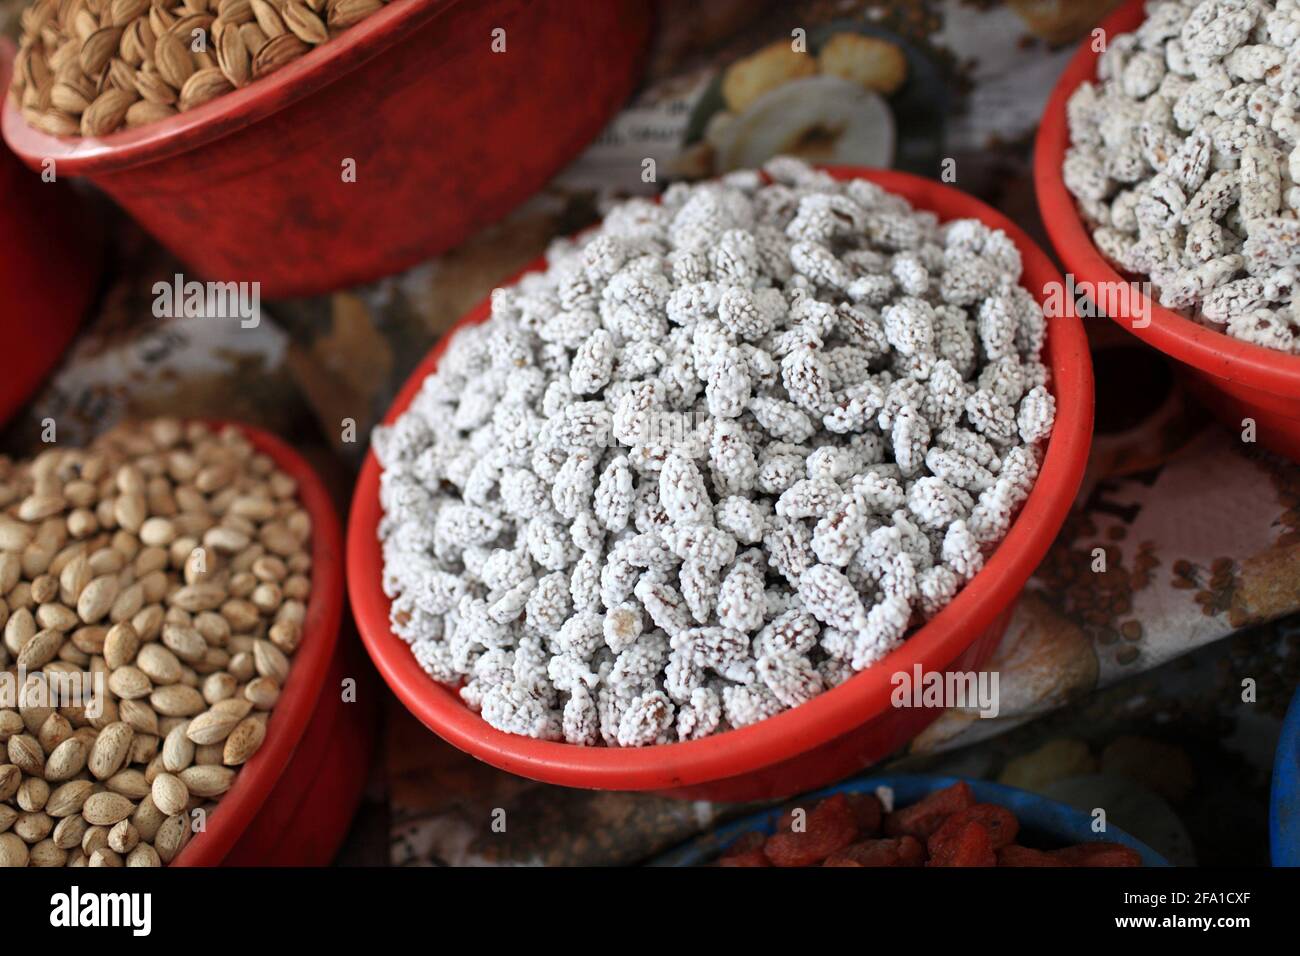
point(726, 451)
point(1185, 161)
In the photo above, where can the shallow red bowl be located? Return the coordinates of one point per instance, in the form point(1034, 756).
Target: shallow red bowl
point(836, 733)
point(51, 251)
point(307, 815)
point(273, 779)
point(447, 137)
point(1234, 379)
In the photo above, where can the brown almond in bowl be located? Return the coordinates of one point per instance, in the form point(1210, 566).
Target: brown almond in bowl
point(177, 716)
point(149, 61)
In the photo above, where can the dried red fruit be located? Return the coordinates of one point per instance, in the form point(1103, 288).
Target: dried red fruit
point(946, 829)
point(868, 811)
point(754, 857)
point(891, 851)
point(923, 818)
point(911, 851)
point(972, 846)
point(745, 843)
point(1000, 822)
point(1016, 855)
point(1098, 854)
point(868, 853)
point(830, 827)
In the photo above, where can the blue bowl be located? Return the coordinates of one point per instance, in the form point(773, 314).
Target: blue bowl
point(1284, 805)
point(1043, 823)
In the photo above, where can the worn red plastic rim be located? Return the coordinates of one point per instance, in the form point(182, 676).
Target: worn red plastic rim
point(297, 703)
point(827, 716)
point(1203, 348)
point(226, 114)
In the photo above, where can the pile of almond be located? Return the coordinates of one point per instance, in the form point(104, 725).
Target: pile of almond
point(91, 67)
point(152, 589)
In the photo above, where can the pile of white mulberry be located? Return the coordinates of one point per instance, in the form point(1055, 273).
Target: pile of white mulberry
point(1185, 159)
point(720, 456)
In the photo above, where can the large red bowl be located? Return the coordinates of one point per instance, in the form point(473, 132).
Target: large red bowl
point(447, 136)
point(51, 251)
point(834, 734)
point(1234, 379)
point(237, 827)
point(307, 814)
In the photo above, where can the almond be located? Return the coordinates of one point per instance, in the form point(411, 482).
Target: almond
point(107, 112)
point(170, 795)
point(175, 65)
point(207, 781)
point(270, 661)
point(178, 749)
point(26, 754)
point(66, 760)
point(40, 650)
point(129, 783)
point(11, 777)
point(346, 13)
point(143, 855)
point(177, 700)
point(305, 25)
point(69, 798)
point(70, 97)
point(121, 644)
point(243, 741)
point(71, 830)
point(97, 597)
point(106, 808)
point(98, 579)
point(172, 836)
point(13, 851)
point(143, 113)
point(155, 90)
point(129, 682)
point(272, 25)
point(46, 853)
point(110, 752)
point(122, 12)
point(185, 642)
point(213, 726)
point(276, 52)
point(159, 664)
point(139, 716)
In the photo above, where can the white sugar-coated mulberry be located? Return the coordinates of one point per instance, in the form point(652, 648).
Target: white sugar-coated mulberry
point(728, 449)
point(1181, 158)
point(1036, 415)
point(701, 715)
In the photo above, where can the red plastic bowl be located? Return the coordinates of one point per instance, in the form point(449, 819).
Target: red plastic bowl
point(1234, 379)
point(258, 792)
point(307, 815)
point(447, 137)
point(836, 733)
point(49, 269)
